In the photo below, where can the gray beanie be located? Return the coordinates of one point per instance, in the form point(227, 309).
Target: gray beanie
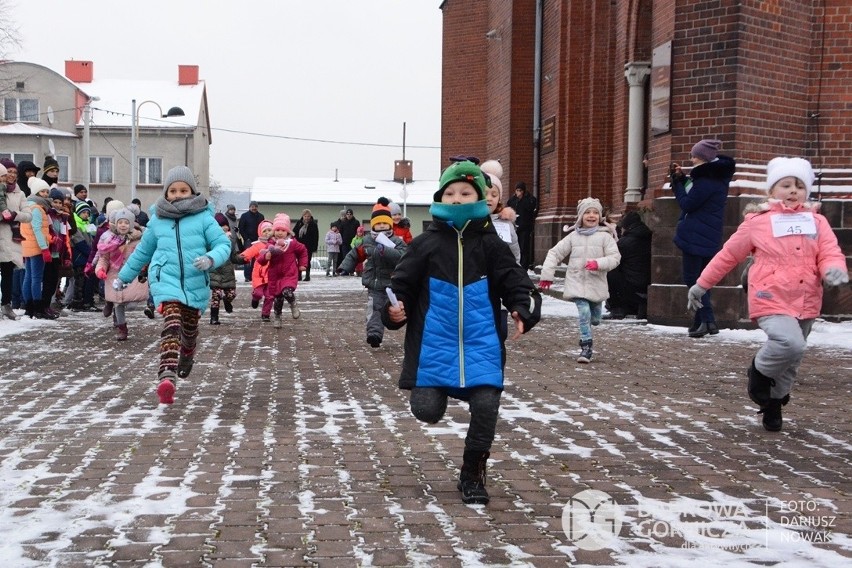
point(395, 209)
point(123, 213)
point(180, 173)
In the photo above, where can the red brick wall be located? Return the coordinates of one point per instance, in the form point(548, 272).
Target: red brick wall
point(464, 79)
point(745, 71)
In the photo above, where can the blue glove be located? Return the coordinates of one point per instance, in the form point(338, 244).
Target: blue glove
point(203, 263)
point(380, 249)
point(118, 285)
point(836, 276)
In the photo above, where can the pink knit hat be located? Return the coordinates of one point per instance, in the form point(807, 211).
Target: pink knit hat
point(263, 224)
point(281, 222)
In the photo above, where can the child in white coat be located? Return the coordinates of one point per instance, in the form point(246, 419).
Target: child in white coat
point(592, 251)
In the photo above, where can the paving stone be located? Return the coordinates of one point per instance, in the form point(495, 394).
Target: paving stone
point(296, 448)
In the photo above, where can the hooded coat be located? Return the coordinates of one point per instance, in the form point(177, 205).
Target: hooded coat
point(699, 229)
point(11, 251)
point(169, 247)
point(590, 285)
point(786, 276)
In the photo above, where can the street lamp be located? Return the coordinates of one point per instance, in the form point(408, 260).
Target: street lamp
point(134, 135)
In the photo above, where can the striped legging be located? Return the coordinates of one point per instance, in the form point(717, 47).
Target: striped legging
point(180, 330)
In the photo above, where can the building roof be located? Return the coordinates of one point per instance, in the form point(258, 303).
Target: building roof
point(21, 129)
point(348, 191)
point(114, 105)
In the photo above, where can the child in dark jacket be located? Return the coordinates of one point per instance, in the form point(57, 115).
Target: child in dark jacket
point(223, 281)
point(449, 286)
point(379, 261)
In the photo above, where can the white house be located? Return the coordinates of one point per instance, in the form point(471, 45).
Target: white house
point(85, 122)
point(326, 197)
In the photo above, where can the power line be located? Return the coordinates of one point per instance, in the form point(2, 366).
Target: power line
point(285, 137)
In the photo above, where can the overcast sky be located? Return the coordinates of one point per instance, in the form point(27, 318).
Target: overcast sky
point(341, 70)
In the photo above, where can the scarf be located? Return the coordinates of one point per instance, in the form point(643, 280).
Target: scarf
point(459, 215)
point(166, 209)
point(42, 202)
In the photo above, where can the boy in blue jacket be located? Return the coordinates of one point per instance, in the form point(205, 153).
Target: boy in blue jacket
point(181, 243)
point(449, 285)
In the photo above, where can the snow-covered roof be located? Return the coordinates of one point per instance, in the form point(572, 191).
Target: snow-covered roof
point(352, 191)
point(114, 107)
point(21, 129)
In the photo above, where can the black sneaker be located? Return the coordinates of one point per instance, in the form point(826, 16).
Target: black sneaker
point(712, 328)
point(255, 303)
point(184, 366)
point(374, 341)
point(264, 319)
point(473, 492)
point(149, 311)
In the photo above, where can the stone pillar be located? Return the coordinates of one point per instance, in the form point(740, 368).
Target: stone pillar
point(635, 72)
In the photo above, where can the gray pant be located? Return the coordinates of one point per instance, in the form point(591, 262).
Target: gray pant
point(376, 302)
point(780, 356)
point(430, 403)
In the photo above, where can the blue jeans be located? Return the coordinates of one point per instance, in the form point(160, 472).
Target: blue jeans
point(692, 267)
point(33, 278)
point(589, 315)
point(18, 287)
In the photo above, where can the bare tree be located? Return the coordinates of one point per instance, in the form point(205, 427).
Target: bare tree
point(10, 37)
point(10, 40)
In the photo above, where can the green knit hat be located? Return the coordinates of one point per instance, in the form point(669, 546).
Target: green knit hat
point(465, 171)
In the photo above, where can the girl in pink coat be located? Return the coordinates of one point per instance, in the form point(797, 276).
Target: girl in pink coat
point(794, 251)
point(286, 258)
point(114, 247)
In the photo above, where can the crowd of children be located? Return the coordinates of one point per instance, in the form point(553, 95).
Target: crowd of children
point(454, 287)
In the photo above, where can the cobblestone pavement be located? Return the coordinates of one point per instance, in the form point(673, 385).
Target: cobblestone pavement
point(294, 447)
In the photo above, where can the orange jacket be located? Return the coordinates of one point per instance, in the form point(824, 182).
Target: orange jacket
point(259, 274)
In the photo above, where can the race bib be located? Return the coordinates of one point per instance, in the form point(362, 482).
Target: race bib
point(504, 232)
point(785, 225)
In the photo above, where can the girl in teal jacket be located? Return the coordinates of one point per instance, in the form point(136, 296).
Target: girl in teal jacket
point(181, 243)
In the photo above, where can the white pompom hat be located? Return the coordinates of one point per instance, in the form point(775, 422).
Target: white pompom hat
point(494, 169)
point(800, 168)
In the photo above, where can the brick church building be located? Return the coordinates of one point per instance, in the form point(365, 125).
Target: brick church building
point(572, 96)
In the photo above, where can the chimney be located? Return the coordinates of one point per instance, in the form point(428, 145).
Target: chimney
point(79, 71)
point(187, 74)
point(403, 170)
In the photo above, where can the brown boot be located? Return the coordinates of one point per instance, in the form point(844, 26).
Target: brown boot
point(121, 332)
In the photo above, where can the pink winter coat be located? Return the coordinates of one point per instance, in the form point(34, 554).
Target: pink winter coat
point(114, 250)
point(786, 276)
point(284, 266)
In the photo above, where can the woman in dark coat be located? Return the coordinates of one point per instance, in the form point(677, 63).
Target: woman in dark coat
point(307, 233)
point(628, 282)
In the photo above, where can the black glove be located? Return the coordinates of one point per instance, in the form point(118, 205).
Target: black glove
point(143, 276)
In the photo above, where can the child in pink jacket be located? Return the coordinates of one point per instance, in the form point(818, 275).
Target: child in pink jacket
point(286, 258)
point(794, 251)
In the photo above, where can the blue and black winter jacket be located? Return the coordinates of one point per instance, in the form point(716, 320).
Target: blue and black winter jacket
point(452, 284)
point(699, 230)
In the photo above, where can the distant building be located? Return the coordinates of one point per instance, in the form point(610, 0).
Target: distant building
point(45, 113)
point(327, 197)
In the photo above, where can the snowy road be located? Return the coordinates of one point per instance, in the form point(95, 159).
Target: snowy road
point(294, 447)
